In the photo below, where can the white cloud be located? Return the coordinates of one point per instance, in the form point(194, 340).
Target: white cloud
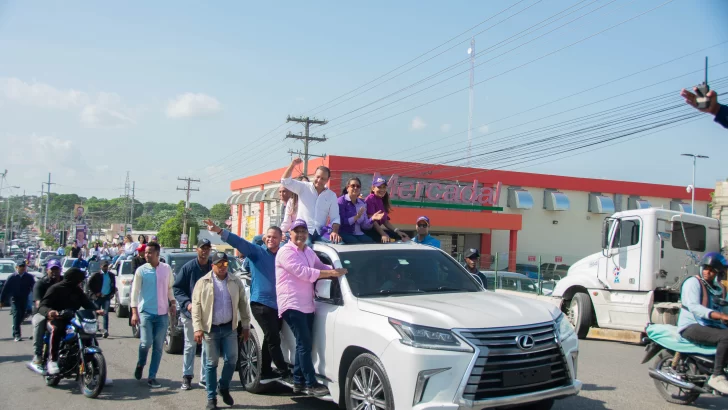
point(43, 149)
point(483, 129)
point(41, 95)
point(417, 124)
point(192, 105)
point(100, 110)
point(445, 127)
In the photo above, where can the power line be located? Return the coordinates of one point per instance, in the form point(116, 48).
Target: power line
point(306, 138)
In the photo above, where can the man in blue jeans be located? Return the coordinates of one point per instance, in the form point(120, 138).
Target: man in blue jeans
point(100, 288)
point(216, 301)
point(184, 284)
point(152, 299)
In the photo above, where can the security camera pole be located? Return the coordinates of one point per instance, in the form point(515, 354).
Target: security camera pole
point(692, 187)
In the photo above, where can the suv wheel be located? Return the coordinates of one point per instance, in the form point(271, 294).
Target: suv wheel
point(367, 384)
point(249, 364)
point(136, 331)
point(173, 344)
point(121, 310)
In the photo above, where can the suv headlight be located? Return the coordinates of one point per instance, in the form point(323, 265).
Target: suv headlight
point(429, 337)
point(564, 327)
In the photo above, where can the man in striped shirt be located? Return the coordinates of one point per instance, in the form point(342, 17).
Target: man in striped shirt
point(152, 299)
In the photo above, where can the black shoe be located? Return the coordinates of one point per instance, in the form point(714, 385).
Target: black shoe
point(270, 376)
point(318, 390)
point(226, 397)
point(18, 339)
point(138, 372)
point(298, 388)
point(106, 334)
point(153, 384)
point(211, 404)
point(186, 383)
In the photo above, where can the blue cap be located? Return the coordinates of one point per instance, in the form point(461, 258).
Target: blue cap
point(299, 222)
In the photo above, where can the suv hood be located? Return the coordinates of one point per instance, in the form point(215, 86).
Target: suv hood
point(469, 310)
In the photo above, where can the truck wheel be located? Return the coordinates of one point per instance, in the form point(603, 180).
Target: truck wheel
point(121, 310)
point(581, 314)
point(367, 382)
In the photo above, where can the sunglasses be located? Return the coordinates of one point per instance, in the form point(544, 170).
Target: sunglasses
point(355, 186)
point(223, 264)
point(422, 225)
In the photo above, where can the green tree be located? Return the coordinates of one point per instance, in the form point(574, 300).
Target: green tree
point(219, 213)
point(170, 232)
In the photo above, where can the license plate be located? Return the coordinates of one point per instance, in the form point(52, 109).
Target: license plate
point(528, 376)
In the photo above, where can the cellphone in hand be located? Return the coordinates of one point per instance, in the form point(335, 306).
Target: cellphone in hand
point(702, 90)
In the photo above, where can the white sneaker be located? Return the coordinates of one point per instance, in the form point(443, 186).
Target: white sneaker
point(719, 383)
point(53, 368)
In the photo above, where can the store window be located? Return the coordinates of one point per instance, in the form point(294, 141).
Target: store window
point(688, 236)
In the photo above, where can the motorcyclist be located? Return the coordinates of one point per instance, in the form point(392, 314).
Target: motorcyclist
point(66, 294)
point(701, 317)
point(39, 321)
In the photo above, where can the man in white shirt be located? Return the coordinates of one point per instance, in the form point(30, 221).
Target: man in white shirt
point(316, 203)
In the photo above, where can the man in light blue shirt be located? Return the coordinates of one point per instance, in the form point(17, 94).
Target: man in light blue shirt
point(423, 233)
point(702, 317)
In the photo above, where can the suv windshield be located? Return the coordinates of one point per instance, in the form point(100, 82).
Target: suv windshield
point(125, 268)
point(177, 261)
point(68, 263)
point(7, 268)
point(399, 272)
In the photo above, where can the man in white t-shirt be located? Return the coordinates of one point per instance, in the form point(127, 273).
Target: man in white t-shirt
point(317, 204)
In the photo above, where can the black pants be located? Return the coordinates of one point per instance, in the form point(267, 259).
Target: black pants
point(57, 335)
point(372, 233)
point(268, 320)
point(710, 336)
point(18, 311)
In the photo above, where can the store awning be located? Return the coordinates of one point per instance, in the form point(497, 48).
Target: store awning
point(519, 198)
point(555, 201)
point(231, 197)
point(601, 204)
point(638, 203)
point(681, 207)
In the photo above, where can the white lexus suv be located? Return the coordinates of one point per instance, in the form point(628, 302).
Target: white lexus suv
point(408, 327)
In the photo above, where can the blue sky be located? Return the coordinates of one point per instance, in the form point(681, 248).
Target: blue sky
point(89, 90)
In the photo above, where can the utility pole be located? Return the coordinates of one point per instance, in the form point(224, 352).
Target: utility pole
point(126, 201)
point(48, 201)
point(305, 137)
point(187, 202)
point(692, 187)
point(40, 205)
point(133, 187)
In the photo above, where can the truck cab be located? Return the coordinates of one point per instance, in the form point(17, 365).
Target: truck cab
point(637, 276)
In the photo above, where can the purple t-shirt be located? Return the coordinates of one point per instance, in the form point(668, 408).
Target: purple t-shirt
point(347, 213)
point(374, 205)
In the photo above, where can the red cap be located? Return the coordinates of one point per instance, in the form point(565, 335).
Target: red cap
point(142, 247)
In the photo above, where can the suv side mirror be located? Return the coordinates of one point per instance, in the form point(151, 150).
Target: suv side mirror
point(323, 288)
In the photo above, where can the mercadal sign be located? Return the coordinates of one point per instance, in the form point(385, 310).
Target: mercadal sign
point(471, 194)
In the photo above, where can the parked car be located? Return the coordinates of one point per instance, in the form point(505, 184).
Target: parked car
point(41, 258)
point(517, 282)
point(67, 264)
point(554, 271)
point(7, 268)
point(408, 327)
point(174, 343)
point(527, 269)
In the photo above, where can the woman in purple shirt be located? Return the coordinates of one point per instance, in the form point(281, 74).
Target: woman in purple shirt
point(378, 201)
point(353, 214)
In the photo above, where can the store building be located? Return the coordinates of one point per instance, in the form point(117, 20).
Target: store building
point(520, 218)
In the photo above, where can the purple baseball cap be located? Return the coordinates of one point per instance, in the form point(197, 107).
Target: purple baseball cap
point(379, 181)
point(423, 218)
point(54, 263)
point(299, 222)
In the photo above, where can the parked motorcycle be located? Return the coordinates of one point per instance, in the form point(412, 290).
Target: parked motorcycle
point(79, 355)
point(681, 369)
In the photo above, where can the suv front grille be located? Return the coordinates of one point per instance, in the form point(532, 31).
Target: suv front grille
point(504, 369)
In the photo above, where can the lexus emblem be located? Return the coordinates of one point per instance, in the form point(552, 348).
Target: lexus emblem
point(525, 342)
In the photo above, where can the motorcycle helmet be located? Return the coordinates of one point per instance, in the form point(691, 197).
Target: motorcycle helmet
point(716, 261)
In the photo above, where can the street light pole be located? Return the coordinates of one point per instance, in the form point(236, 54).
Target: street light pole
point(7, 214)
point(692, 187)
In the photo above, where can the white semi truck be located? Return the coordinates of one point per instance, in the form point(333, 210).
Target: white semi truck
point(636, 278)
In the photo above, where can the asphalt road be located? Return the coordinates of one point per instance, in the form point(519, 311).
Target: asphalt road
point(612, 375)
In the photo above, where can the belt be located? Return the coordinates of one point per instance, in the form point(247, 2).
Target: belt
point(228, 324)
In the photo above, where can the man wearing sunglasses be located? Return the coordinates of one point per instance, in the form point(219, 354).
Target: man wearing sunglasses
point(423, 233)
point(702, 318)
point(263, 298)
point(216, 301)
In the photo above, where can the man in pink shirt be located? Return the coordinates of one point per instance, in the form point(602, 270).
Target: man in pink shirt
point(297, 269)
